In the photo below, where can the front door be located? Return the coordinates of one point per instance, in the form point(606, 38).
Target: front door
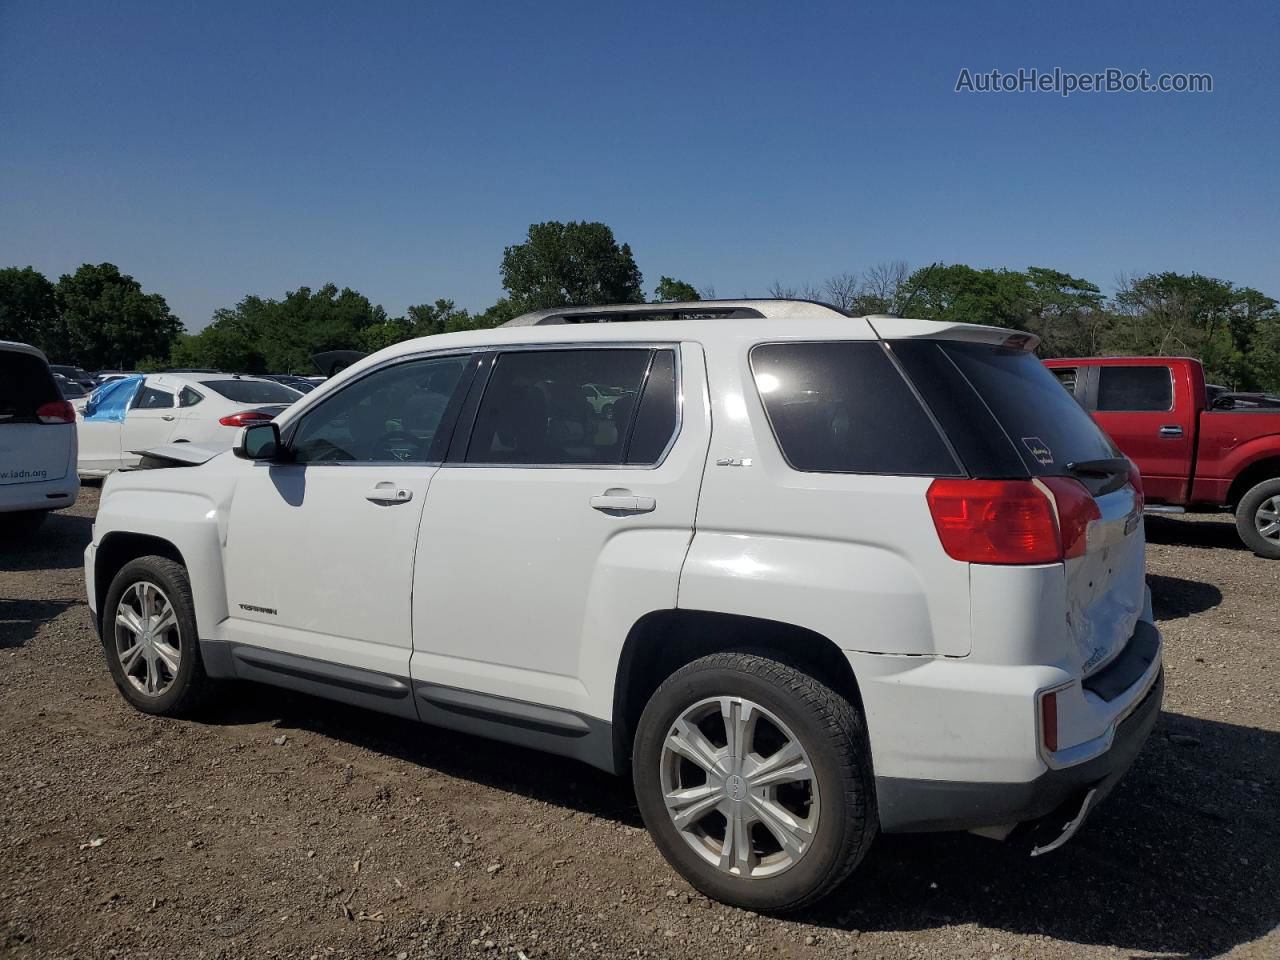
point(1136, 405)
point(562, 517)
point(150, 420)
point(319, 553)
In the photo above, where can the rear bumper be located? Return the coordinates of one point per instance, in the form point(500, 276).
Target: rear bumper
point(916, 805)
point(41, 495)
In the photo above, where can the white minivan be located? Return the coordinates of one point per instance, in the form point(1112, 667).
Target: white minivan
point(37, 440)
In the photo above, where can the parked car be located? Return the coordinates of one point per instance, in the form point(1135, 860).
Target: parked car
point(1198, 449)
point(126, 416)
point(106, 376)
point(832, 576)
point(74, 374)
point(37, 441)
point(69, 389)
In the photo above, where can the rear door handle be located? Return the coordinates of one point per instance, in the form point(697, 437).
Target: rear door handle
point(388, 492)
point(166, 416)
point(1170, 431)
point(611, 503)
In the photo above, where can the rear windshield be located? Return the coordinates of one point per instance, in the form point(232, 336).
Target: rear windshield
point(253, 391)
point(843, 407)
point(1017, 396)
point(25, 385)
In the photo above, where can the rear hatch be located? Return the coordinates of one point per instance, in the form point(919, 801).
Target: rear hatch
point(1010, 419)
point(32, 449)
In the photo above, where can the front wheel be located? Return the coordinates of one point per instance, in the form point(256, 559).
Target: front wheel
point(1258, 519)
point(754, 780)
point(150, 640)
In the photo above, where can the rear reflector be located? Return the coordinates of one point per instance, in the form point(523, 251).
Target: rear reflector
point(59, 411)
point(1135, 481)
point(244, 418)
point(1008, 522)
point(1049, 721)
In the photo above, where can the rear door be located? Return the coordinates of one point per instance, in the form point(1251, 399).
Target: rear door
point(556, 524)
point(30, 451)
point(1140, 408)
point(150, 420)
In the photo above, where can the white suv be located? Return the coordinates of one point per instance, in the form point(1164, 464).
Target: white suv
point(37, 441)
point(808, 576)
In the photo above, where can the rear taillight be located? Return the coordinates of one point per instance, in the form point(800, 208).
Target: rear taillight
point(1049, 721)
point(1011, 521)
point(59, 411)
point(244, 418)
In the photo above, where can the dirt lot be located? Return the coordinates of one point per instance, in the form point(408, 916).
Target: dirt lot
point(284, 826)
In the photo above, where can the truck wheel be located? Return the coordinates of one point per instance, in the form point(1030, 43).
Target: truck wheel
point(1258, 519)
point(150, 640)
point(754, 780)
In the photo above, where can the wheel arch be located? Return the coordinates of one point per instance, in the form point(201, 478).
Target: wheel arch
point(1268, 468)
point(118, 548)
point(661, 642)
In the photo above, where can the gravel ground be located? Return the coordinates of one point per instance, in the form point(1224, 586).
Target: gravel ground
point(284, 826)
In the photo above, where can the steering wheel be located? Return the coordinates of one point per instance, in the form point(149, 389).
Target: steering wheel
point(384, 442)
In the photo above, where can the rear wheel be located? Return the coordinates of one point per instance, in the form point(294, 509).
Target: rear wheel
point(149, 637)
point(1258, 519)
point(755, 781)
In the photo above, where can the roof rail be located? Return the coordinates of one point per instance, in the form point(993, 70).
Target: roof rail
point(688, 310)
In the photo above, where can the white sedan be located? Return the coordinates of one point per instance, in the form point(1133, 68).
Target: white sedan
point(126, 416)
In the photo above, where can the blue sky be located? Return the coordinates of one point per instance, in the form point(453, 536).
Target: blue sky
point(219, 149)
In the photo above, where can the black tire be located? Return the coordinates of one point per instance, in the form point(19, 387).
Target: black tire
point(190, 686)
point(22, 523)
point(831, 732)
point(1247, 519)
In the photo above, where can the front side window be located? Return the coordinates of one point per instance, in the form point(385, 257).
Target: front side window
point(393, 414)
point(149, 398)
point(1134, 389)
point(1067, 377)
point(590, 407)
point(842, 407)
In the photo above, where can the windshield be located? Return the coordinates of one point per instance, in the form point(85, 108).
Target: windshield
point(253, 391)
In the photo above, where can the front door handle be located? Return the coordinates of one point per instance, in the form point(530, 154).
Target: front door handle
point(1171, 430)
point(623, 503)
point(388, 492)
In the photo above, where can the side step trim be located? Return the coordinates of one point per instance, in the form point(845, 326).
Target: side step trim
point(504, 710)
point(321, 671)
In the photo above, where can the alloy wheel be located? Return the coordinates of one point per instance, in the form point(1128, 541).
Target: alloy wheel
point(148, 643)
point(739, 787)
point(1267, 518)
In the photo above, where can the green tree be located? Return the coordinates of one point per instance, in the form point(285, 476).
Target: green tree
point(570, 264)
point(675, 291)
point(110, 321)
point(29, 310)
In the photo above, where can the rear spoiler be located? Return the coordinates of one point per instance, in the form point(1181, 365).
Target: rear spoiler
point(179, 455)
point(903, 328)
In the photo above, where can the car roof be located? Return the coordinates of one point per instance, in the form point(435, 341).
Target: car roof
point(14, 347)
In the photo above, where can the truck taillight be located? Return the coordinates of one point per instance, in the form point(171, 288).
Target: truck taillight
point(59, 411)
point(1008, 522)
point(244, 418)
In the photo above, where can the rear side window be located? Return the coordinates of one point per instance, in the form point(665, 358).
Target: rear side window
point(253, 391)
point(566, 407)
point(843, 407)
point(1134, 389)
point(1019, 406)
point(188, 397)
point(149, 398)
point(25, 386)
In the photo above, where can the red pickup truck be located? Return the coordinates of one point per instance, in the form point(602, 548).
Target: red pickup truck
point(1198, 448)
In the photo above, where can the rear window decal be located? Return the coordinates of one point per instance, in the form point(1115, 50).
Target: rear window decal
point(1043, 455)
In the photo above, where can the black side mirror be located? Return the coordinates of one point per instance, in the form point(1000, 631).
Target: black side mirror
point(258, 441)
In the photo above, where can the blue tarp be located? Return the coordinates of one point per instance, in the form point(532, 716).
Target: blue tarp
point(110, 401)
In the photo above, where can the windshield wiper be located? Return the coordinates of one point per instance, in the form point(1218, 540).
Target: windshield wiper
point(1102, 467)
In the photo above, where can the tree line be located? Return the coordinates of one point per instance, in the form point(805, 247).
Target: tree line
point(101, 318)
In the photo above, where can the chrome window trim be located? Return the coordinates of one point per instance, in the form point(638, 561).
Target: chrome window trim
point(650, 345)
